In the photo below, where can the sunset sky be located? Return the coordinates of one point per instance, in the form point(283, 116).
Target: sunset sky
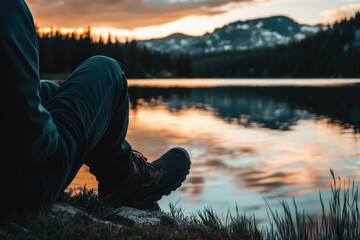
point(144, 19)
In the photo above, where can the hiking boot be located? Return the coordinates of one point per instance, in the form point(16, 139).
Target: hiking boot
point(148, 182)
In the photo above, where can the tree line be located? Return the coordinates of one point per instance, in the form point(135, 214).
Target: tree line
point(334, 52)
point(62, 53)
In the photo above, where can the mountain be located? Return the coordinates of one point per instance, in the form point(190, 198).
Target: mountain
point(241, 35)
point(331, 53)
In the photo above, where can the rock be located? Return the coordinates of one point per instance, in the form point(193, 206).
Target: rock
point(68, 212)
point(118, 217)
point(15, 227)
point(146, 217)
point(68, 221)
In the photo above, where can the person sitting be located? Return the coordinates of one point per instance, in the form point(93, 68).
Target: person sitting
point(48, 132)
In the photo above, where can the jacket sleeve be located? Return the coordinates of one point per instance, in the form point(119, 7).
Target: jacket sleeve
point(27, 132)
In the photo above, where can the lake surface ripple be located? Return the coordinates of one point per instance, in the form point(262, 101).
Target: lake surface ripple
point(250, 141)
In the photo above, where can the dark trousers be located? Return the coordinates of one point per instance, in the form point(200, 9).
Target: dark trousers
point(92, 108)
point(90, 111)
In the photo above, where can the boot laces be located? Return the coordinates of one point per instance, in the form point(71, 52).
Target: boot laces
point(146, 169)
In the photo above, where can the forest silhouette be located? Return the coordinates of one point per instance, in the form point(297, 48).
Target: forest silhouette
point(331, 53)
point(62, 53)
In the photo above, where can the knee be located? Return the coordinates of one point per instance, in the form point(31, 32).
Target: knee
point(107, 65)
point(106, 62)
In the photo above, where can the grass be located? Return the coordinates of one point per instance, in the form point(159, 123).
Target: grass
point(339, 219)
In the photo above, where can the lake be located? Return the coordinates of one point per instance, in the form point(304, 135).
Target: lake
point(250, 141)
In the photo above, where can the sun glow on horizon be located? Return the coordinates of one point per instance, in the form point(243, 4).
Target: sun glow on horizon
point(149, 24)
point(199, 26)
point(193, 25)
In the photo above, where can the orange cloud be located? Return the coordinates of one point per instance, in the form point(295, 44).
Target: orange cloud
point(335, 15)
point(124, 14)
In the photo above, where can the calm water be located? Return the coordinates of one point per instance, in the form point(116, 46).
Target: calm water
point(250, 141)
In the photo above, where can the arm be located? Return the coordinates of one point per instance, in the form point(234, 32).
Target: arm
point(27, 131)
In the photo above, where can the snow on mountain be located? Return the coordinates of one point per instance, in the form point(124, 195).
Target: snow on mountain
point(241, 35)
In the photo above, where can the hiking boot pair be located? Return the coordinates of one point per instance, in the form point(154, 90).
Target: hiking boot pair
point(148, 182)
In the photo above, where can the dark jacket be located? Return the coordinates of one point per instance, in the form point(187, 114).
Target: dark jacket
point(28, 135)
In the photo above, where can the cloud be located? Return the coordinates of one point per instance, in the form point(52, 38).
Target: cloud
point(349, 0)
point(125, 14)
point(345, 12)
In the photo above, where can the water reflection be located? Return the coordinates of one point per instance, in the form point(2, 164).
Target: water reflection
point(275, 107)
point(249, 143)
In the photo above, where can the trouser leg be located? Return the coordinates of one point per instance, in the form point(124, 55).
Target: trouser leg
point(98, 90)
point(107, 152)
point(107, 160)
point(90, 110)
